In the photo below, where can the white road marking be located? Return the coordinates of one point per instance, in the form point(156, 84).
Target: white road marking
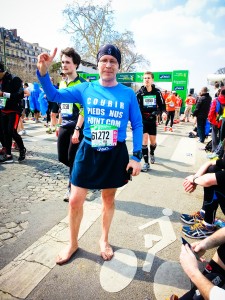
point(185, 151)
point(168, 237)
point(117, 273)
point(170, 279)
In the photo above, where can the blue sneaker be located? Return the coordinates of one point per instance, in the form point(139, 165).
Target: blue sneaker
point(192, 219)
point(198, 230)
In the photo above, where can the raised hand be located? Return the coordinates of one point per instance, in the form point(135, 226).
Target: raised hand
point(44, 61)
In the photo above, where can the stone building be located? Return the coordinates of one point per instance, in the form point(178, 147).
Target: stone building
point(20, 57)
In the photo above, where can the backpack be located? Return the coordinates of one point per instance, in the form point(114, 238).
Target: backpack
point(219, 109)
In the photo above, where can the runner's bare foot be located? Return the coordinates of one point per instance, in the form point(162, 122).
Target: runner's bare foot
point(65, 255)
point(106, 250)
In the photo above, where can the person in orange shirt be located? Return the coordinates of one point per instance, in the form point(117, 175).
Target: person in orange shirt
point(170, 109)
point(189, 102)
point(177, 109)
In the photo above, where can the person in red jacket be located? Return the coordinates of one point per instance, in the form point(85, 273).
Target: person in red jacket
point(215, 119)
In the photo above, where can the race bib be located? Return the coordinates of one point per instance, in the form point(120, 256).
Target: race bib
point(67, 109)
point(2, 102)
point(103, 136)
point(171, 104)
point(149, 100)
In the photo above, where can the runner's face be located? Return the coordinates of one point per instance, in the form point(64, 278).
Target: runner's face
point(108, 68)
point(68, 67)
point(148, 80)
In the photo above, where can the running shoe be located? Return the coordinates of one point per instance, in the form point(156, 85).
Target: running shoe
point(23, 132)
point(152, 159)
point(66, 196)
point(6, 159)
point(22, 154)
point(53, 129)
point(191, 219)
point(198, 230)
point(165, 128)
point(212, 155)
point(15, 147)
point(171, 129)
point(49, 131)
point(145, 167)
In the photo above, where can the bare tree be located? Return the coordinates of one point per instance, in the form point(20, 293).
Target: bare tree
point(91, 26)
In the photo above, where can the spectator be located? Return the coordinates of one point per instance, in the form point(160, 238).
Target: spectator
point(215, 117)
point(211, 176)
point(34, 103)
point(207, 285)
point(201, 112)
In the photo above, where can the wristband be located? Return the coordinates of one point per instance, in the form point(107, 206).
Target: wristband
point(138, 154)
point(194, 178)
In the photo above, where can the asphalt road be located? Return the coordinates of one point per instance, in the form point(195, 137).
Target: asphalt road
point(145, 232)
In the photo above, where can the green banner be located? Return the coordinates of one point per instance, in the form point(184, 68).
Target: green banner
point(125, 77)
point(178, 79)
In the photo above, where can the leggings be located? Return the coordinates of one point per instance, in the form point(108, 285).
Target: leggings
point(213, 197)
point(10, 123)
point(170, 117)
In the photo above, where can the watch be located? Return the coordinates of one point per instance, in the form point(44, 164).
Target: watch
point(77, 128)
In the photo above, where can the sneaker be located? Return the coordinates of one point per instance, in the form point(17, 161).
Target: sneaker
point(15, 147)
point(198, 230)
point(191, 219)
point(3, 151)
point(165, 128)
point(49, 131)
point(171, 129)
point(152, 159)
point(66, 196)
point(145, 167)
point(22, 132)
point(6, 159)
point(212, 155)
point(22, 154)
point(54, 129)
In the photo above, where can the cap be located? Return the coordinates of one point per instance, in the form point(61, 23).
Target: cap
point(109, 49)
point(2, 68)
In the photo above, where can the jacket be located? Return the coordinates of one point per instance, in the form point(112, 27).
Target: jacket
point(150, 103)
point(202, 106)
point(13, 85)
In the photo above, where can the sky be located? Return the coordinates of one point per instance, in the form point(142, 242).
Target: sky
point(171, 34)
